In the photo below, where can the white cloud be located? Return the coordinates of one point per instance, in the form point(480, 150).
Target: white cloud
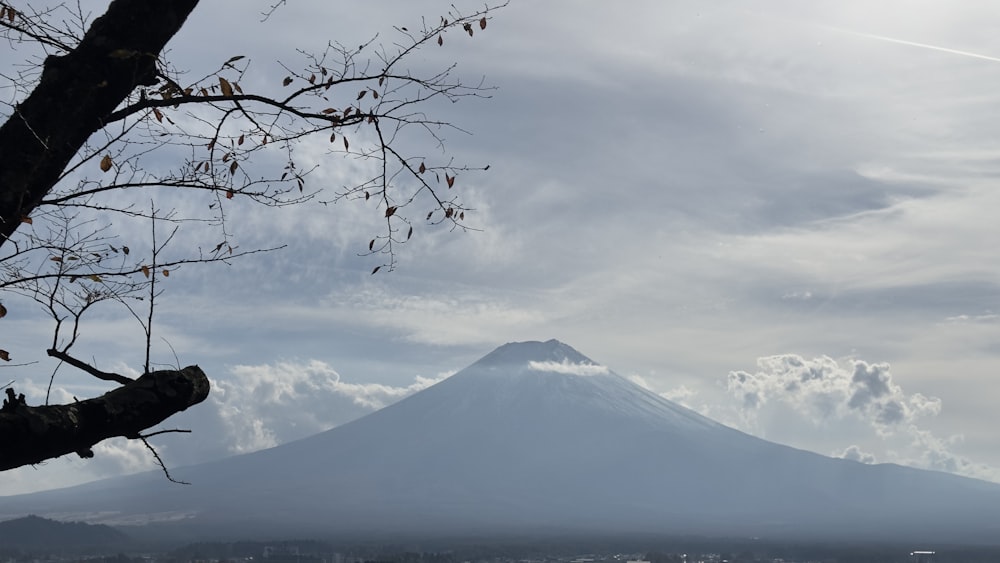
point(261, 406)
point(820, 389)
point(837, 401)
point(569, 368)
point(854, 453)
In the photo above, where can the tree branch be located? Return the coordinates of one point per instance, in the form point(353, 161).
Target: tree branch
point(74, 96)
point(30, 435)
point(105, 375)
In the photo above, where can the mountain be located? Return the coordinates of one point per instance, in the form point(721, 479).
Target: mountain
point(35, 533)
point(536, 438)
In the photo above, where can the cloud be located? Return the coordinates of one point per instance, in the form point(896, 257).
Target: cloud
point(824, 399)
point(260, 406)
point(935, 453)
point(821, 390)
point(565, 367)
point(854, 453)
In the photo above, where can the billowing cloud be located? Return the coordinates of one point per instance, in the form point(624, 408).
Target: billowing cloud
point(847, 400)
point(854, 453)
point(261, 406)
point(569, 368)
point(936, 453)
point(821, 389)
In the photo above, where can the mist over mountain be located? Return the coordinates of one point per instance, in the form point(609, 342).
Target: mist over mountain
point(536, 438)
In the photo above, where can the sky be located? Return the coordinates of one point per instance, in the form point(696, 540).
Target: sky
point(779, 214)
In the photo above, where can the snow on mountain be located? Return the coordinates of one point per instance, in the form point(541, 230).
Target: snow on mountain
point(537, 438)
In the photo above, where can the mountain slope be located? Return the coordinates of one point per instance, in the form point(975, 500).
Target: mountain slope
point(536, 437)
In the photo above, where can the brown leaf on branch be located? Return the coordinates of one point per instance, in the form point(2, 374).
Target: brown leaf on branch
point(106, 163)
point(226, 87)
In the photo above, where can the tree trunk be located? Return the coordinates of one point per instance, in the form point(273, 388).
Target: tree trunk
point(30, 435)
point(75, 94)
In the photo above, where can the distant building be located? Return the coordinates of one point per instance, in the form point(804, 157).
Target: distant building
point(921, 556)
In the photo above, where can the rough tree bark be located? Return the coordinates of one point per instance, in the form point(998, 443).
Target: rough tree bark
point(75, 94)
point(30, 435)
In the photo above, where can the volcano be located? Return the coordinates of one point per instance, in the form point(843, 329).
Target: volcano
point(536, 438)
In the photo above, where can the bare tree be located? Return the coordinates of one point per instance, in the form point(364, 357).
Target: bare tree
point(95, 105)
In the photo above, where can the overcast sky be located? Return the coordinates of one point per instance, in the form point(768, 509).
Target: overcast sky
point(781, 214)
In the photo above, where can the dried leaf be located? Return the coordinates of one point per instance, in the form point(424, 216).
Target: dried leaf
point(328, 111)
point(106, 163)
point(377, 268)
point(94, 278)
point(374, 94)
point(381, 79)
point(361, 94)
point(450, 180)
point(461, 216)
point(232, 167)
point(449, 212)
point(367, 195)
point(409, 233)
point(234, 59)
point(482, 23)
point(27, 220)
point(11, 13)
point(4, 355)
point(468, 28)
point(422, 168)
point(346, 144)
point(204, 92)
point(333, 136)
point(226, 87)
point(371, 245)
point(158, 114)
point(166, 273)
point(241, 139)
point(286, 81)
point(236, 86)
point(429, 215)
point(440, 41)
point(3, 311)
point(125, 250)
point(390, 211)
point(54, 259)
point(312, 78)
point(230, 194)
point(145, 271)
